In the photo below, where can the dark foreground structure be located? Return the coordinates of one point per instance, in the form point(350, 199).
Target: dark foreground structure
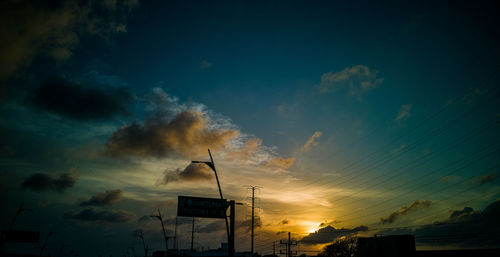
point(404, 246)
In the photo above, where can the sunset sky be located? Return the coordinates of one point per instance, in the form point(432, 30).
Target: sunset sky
point(351, 118)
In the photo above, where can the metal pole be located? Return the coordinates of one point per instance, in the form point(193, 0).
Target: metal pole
point(231, 235)
point(289, 246)
point(253, 217)
point(220, 190)
point(192, 235)
point(175, 234)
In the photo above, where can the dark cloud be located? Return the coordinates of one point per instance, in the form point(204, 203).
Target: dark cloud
point(54, 28)
point(247, 224)
point(45, 182)
point(403, 210)
point(458, 215)
point(104, 198)
point(92, 214)
point(328, 223)
point(216, 226)
point(284, 222)
point(487, 178)
point(187, 134)
point(193, 172)
point(329, 233)
point(77, 101)
point(463, 228)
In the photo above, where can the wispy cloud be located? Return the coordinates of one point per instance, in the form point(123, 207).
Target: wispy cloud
point(415, 205)
point(311, 142)
point(280, 163)
point(104, 198)
point(359, 79)
point(404, 112)
point(93, 215)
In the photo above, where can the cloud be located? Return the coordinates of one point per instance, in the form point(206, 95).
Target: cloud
point(284, 222)
point(186, 135)
point(448, 178)
point(205, 64)
point(487, 178)
point(77, 101)
point(329, 234)
point(54, 29)
point(247, 224)
point(311, 142)
point(193, 172)
point(403, 210)
point(404, 111)
point(250, 149)
point(216, 226)
point(42, 182)
point(105, 198)
point(280, 163)
point(469, 228)
point(91, 214)
point(329, 223)
point(359, 79)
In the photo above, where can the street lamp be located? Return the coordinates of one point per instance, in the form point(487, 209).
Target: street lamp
point(211, 164)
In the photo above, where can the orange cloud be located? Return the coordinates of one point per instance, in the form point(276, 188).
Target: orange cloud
point(186, 135)
point(280, 163)
point(311, 142)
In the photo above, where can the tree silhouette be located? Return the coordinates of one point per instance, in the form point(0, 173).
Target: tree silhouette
point(345, 247)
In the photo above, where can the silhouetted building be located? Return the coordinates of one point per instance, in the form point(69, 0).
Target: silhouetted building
point(459, 253)
point(387, 246)
point(404, 246)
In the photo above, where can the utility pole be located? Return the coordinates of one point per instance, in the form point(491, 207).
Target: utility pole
point(289, 243)
point(289, 246)
point(231, 228)
point(175, 234)
point(192, 235)
point(253, 215)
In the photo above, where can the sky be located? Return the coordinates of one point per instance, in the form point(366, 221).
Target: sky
point(349, 117)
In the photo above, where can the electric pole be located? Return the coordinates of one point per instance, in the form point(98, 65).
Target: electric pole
point(192, 235)
point(175, 234)
point(288, 243)
point(253, 214)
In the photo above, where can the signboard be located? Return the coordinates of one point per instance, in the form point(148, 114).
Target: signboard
point(22, 236)
point(188, 206)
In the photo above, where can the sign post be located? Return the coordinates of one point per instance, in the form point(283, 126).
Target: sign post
point(188, 206)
